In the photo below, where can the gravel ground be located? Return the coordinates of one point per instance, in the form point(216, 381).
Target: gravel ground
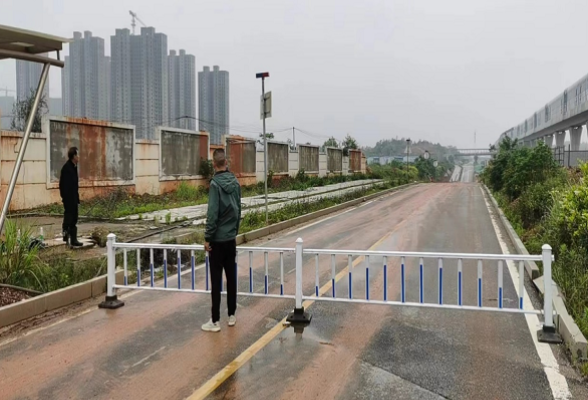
point(9, 296)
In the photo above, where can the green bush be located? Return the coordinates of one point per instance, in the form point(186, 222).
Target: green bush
point(526, 167)
point(20, 264)
point(547, 204)
point(536, 199)
point(206, 169)
point(570, 271)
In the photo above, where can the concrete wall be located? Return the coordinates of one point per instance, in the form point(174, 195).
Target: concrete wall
point(293, 163)
point(354, 161)
point(363, 163)
point(37, 186)
point(34, 186)
point(31, 187)
point(293, 166)
point(345, 165)
point(181, 152)
point(334, 160)
point(278, 157)
point(323, 164)
point(106, 150)
point(309, 158)
point(147, 164)
point(242, 158)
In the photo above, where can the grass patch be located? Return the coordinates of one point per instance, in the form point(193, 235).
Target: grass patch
point(256, 219)
point(120, 203)
point(24, 264)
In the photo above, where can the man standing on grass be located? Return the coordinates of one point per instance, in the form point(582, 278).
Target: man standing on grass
point(222, 227)
point(69, 191)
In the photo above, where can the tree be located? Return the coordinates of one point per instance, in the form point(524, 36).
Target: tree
point(269, 136)
point(426, 168)
point(349, 143)
point(21, 110)
point(332, 142)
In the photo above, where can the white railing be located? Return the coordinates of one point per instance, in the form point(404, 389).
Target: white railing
point(367, 257)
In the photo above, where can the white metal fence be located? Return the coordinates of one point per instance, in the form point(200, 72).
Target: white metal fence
point(392, 262)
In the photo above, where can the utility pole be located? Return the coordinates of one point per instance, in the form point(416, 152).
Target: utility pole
point(264, 75)
point(407, 152)
point(293, 137)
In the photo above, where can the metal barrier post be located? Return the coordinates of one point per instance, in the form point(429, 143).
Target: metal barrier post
point(548, 334)
point(299, 316)
point(111, 302)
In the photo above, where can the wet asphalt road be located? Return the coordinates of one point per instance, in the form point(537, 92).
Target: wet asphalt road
point(153, 347)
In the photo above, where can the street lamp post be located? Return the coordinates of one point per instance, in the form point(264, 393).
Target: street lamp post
point(264, 75)
point(407, 152)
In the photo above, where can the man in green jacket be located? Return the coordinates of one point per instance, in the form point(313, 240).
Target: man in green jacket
point(222, 227)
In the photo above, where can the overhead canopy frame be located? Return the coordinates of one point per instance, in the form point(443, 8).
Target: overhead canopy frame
point(25, 45)
point(22, 44)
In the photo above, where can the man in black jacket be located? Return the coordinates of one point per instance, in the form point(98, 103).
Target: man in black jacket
point(68, 188)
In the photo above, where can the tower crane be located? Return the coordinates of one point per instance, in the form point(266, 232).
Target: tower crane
point(133, 23)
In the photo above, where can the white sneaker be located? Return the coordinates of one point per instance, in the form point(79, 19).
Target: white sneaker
point(232, 320)
point(211, 326)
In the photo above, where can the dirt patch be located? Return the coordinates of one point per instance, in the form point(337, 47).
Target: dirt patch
point(9, 296)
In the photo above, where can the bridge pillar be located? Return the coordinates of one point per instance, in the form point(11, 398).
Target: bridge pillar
point(575, 136)
point(560, 139)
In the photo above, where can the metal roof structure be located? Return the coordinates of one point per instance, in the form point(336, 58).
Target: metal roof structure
point(22, 44)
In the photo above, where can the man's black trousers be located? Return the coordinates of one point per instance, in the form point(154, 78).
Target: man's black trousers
point(70, 217)
point(222, 257)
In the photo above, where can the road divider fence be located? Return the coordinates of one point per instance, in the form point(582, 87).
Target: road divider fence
point(425, 278)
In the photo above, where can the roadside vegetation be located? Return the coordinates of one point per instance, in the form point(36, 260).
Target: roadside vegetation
point(397, 173)
point(120, 203)
point(547, 204)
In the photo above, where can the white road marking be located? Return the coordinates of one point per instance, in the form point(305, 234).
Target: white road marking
point(141, 361)
point(557, 382)
point(321, 220)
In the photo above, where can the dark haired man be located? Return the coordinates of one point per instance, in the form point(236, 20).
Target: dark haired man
point(69, 190)
point(222, 227)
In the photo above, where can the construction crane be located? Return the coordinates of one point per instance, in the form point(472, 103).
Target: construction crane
point(133, 23)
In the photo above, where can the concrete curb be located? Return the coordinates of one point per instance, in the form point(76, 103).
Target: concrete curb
point(38, 305)
point(567, 328)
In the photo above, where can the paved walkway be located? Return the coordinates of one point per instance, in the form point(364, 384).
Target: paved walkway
point(276, 201)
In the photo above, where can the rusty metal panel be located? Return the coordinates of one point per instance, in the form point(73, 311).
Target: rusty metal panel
point(334, 160)
point(308, 157)
point(277, 157)
point(354, 160)
point(106, 151)
point(181, 152)
point(241, 155)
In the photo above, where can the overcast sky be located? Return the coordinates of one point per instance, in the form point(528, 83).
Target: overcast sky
point(426, 69)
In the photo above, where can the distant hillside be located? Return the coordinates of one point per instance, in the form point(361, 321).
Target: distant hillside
point(397, 147)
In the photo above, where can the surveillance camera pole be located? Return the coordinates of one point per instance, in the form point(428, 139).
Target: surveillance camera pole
point(264, 75)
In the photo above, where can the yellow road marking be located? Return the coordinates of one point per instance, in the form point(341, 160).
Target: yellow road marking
point(238, 362)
